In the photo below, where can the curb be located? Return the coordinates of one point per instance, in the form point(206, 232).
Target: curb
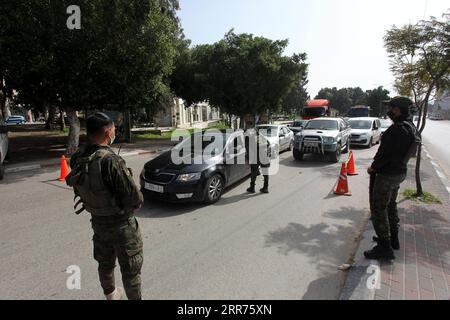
point(363, 272)
point(58, 162)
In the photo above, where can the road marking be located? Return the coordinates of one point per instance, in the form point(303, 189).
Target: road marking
point(440, 174)
point(437, 168)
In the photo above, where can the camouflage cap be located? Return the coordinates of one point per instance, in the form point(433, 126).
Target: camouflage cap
point(403, 103)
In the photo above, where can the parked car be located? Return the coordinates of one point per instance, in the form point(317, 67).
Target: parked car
point(365, 131)
point(436, 116)
point(298, 126)
point(385, 124)
point(280, 137)
point(201, 179)
point(15, 120)
point(3, 146)
point(326, 136)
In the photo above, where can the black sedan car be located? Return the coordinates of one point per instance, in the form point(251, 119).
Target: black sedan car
point(197, 172)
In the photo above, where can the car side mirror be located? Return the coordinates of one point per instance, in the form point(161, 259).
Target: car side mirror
point(3, 129)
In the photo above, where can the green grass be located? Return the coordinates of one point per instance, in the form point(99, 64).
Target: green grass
point(168, 135)
point(427, 197)
point(164, 135)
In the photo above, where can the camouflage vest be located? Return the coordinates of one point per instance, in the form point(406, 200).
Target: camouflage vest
point(87, 180)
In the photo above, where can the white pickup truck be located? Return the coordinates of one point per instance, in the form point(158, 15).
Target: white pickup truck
point(326, 136)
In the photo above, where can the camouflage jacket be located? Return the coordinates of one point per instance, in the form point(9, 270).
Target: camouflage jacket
point(116, 177)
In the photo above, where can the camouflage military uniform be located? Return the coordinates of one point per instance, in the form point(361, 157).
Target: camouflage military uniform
point(383, 204)
point(390, 169)
point(261, 154)
point(116, 234)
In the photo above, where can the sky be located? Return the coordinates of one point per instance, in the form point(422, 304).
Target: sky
point(342, 38)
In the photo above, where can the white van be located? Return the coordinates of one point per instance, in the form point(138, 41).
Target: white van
point(3, 146)
point(365, 131)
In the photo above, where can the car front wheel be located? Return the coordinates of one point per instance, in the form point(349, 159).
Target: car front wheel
point(336, 156)
point(2, 171)
point(291, 145)
point(214, 188)
point(297, 154)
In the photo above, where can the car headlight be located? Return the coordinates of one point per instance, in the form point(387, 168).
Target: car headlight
point(189, 177)
point(142, 173)
point(328, 140)
point(365, 135)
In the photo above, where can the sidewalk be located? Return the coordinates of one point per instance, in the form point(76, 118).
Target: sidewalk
point(421, 270)
point(126, 150)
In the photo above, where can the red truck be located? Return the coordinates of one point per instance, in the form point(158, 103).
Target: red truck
point(316, 109)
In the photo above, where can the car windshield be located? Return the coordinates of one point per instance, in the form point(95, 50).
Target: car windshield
point(268, 131)
point(322, 125)
point(360, 124)
point(385, 124)
point(299, 124)
point(358, 112)
point(314, 112)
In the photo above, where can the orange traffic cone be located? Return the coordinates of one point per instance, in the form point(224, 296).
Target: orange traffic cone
point(64, 169)
point(351, 168)
point(342, 186)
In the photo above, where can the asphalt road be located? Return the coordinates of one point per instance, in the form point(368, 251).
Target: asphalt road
point(437, 140)
point(285, 245)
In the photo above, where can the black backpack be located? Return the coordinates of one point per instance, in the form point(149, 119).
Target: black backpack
point(416, 141)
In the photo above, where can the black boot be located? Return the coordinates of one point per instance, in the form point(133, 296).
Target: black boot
point(264, 190)
point(251, 189)
point(395, 242)
point(382, 251)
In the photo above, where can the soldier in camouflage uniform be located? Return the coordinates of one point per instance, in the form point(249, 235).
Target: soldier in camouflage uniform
point(388, 171)
point(106, 189)
point(258, 154)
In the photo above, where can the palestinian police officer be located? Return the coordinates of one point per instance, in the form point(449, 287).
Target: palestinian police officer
point(258, 154)
point(106, 190)
point(389, 170)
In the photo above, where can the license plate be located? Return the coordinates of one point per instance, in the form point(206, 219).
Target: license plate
point(154, 187)
point(310, 144)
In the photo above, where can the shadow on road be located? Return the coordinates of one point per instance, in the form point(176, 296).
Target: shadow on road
point(327, 245)
point(320, 289)
point(154, 208)
point(15, 177)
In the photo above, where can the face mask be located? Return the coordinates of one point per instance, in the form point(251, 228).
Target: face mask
point(112, 139)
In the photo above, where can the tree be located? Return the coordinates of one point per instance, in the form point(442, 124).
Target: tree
point(339, 99)
point(241, 74)
point(293, 103)
point(420, 62)
point(120, 59)
point(375, 100)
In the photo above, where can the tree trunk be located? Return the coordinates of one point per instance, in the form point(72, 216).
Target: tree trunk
point(242, 123)
point(74, 131)
point(127, 125)
point(49, 125)
point(418, 179)
point(62, 124)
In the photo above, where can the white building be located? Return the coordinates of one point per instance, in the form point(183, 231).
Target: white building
point(200, 116)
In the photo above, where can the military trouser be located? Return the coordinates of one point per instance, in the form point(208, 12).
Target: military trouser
point(383, 204)
point(120, 241)
point(254, 174)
